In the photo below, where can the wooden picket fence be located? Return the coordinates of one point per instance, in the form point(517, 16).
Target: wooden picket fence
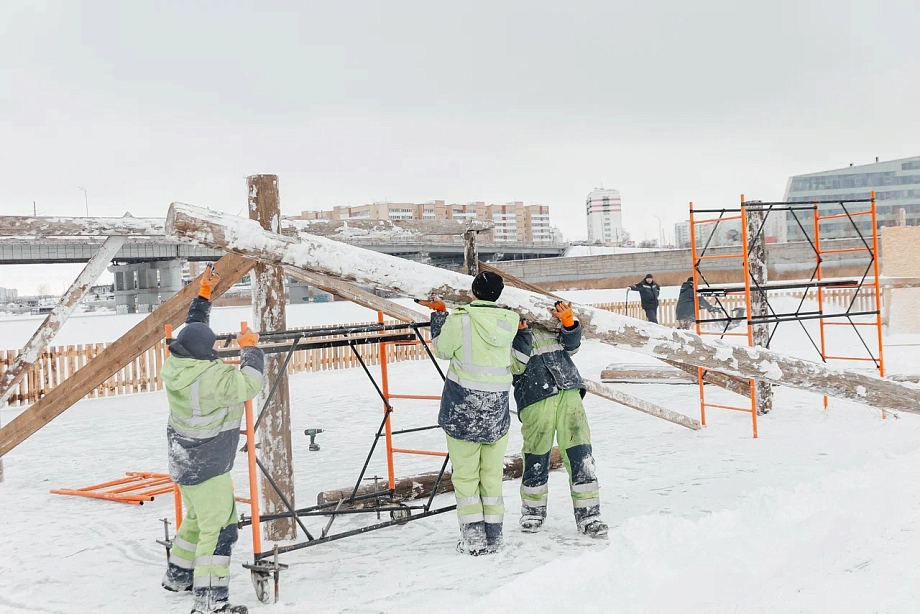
point(143, 373)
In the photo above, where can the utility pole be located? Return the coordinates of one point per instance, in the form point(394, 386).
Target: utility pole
point(85, 200)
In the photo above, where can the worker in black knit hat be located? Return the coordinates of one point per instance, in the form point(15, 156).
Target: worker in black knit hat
point(475, 415)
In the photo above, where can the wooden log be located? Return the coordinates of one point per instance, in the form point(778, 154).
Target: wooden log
point(127, 226)
point(760, 305)
point(638, 404)
point(146, 333)
point(420, 486)
point(732, 384)
point(728, 382)
point(42, 337)
point(645, 374)
point(268, 314)
point(227, 232)
point(371, 301)
point(470, 253)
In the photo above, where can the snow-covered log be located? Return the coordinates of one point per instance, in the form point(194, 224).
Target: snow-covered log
point(59, 314)
point(732, 384)
point(395, 310)
point(129, 346)
point(420, 486)
point(231, 233)
point(24, 226)
point(760, 306)
point(269, 313)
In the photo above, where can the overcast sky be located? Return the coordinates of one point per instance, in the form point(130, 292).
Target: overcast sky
point(144, 103)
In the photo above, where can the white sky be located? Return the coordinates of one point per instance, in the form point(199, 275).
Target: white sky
point(144, 103)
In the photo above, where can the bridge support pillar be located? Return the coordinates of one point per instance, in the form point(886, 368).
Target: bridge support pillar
point(141, 287)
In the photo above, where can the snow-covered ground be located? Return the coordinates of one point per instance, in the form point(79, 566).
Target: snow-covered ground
point(818, 515)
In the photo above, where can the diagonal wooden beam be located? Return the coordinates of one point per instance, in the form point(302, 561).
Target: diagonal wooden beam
point(231, 233)
point(129, 346)
point(33, 349)
point(364, 298)
point(732, 384)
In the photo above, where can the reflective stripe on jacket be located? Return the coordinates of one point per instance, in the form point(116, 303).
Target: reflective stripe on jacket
point(476, 338)
point(549, 366)
point(205, 411)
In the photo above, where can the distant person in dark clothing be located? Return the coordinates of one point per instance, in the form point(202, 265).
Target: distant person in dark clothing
point(648, 291)
point(686, 312)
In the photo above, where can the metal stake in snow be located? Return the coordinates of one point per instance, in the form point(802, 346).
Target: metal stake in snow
point(221, 231)
point(268, 300)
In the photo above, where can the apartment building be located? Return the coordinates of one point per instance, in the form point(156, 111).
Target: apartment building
point(515, 222)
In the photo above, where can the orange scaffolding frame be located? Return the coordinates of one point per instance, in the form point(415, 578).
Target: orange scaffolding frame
point(872, 250)
point(698, 279)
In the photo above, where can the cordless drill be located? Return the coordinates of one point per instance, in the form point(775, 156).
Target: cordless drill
point(312, 433)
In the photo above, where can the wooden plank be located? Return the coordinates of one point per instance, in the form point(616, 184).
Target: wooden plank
point(120, 227)
point(227, 232)
point(638, 404)
point(760, 306)
point(147, 332)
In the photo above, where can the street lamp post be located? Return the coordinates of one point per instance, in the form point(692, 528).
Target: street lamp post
point(660, 232)
point(85, 200)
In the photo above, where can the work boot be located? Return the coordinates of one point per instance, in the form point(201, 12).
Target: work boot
point(473, 538)
point(211, 600)
point(594, 527)
point(177, 580)
point(531, 523)
point(494, 538)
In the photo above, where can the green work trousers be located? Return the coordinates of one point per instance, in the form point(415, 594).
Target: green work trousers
point(477, 472)
point(561, 416)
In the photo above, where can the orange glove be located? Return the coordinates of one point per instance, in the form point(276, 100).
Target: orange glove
point(522, 325)
point(434, 305)
point(563, 312)
point(208, 283)
point(247, 338)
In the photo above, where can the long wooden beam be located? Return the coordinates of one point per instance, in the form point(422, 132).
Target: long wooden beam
point(231, 233)
point(732, 384)
point(59, 314)
point(129, 346)
point(371, 301)
point(25, 226)
point(386, 229)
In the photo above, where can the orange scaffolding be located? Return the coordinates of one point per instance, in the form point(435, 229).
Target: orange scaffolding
point(849, 210)
point(700, 282)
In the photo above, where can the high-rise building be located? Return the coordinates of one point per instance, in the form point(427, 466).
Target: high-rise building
point(682, 235)
point(605, 219)
point(514, 221)
point(896, 184)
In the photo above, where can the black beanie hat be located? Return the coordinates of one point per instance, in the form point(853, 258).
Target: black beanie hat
point(195, 340)
point(488, 286)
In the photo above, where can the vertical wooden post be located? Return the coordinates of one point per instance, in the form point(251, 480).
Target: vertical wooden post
point(268, 305)
point(470, 253)
point(757, 258)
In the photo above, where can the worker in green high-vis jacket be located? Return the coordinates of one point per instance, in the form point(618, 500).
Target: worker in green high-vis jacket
point(206, 397)
point(475, 411)
point(549, 399)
